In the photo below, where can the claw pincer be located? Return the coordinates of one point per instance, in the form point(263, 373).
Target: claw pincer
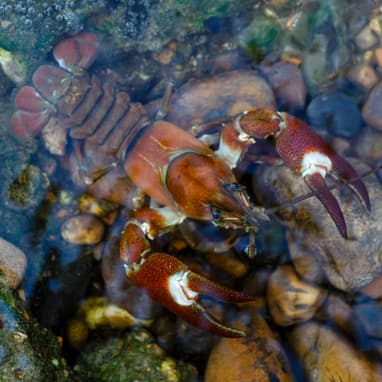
point(307, 154)
point(167, 280)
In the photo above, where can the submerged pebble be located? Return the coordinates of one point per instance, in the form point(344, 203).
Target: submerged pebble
point(363, 75)
point(12, 66)
point(288, 84)
point(257, 357)
point(83, 230)
point(12, 263)
point(378, 56)
point(335, 113)
point(28, 351)
point(97, 312)
point(368, 145)
point(131, 356)
point(366, 38)
point(218, 97)
point(372, 111)
point(367, 320)
point(55, 137)
point(328, 356)
point(27, 189)
point(103, 209)
point(373, 289)
point(290, 299)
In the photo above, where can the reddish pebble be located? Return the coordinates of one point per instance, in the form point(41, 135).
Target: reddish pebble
point(288, 84)
point(372, 110)
point(363, 75)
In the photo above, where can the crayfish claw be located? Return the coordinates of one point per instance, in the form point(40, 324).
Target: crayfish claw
point(206, 287)
point(317, 184)
point(345, 172)
point(197, 314)
point(206, 321)
point(169, 281)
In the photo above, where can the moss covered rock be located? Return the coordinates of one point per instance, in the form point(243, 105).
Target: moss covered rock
point(27, 351)
point(130, 357)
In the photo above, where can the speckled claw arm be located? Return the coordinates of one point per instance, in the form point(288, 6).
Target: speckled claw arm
point(343, 171)
point(169, 281)
point(306, 153)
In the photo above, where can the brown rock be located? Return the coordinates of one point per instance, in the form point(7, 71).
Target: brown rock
point(101, 208)
point(77, 333)
point(378, 55)
point(290, 299)
point(229, 263)
point(365, 38)
point(368, 145)
point(318, 251)
point(12, 263)
point(218, 97)
point(372, 111)
point(373, 289)
point(327, 356)
point(83, 229)
point(258, 357)
point(226, 61)
point(288, 84)
point(363, 75)
point(54, 137)
point(367, 320)
point(338, 311)
point(98, 312)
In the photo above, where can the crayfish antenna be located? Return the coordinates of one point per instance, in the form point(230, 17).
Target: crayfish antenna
point(208, 322)
point(165, 103)
point(259, 215)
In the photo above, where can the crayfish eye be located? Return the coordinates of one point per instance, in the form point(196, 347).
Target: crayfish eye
point(235, 187)
point(215, 213)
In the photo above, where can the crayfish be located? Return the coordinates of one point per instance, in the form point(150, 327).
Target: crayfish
point(183, 175)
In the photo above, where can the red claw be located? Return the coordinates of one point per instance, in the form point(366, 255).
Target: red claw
point(168, 281)
point(307, 154)
point(344, 171)
point(310, 156)
point(317, 184)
